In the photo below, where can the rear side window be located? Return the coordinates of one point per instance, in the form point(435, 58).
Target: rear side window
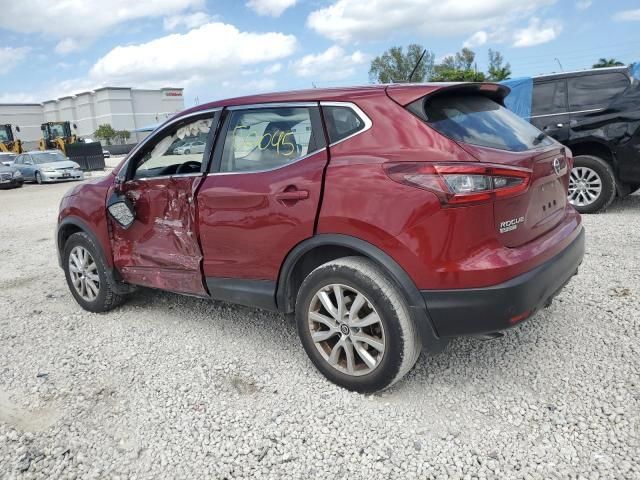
point(478, 120)
point(342, 122)
point(549, 98)
point(595, 91)
point(268, 138)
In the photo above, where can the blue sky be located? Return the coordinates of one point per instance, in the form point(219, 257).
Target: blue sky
point(221, 48)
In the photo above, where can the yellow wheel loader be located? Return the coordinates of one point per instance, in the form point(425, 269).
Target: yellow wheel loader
point(8, 143)
point(58, 135)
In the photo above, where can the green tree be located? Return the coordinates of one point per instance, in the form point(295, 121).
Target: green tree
point(497, 71)
point(105, 132)
point(122, 135)
point(395, 66)
point(458, 68)
point(608, 62)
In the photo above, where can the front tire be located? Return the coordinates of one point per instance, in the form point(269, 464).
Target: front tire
point(86, 275)
point(592, 184)
point(38, 178)
point(355, 326)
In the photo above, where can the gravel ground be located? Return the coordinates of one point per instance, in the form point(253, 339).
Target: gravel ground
point(177, 387)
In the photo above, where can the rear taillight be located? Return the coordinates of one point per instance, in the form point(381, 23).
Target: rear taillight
point(456, 184)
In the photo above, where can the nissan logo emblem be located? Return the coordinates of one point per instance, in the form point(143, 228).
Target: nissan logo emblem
point(556, 166)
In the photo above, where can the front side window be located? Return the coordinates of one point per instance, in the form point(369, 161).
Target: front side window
point(179, 151)
point(596, 90)
point(342, 122)
point(478, 120)
point(549, 98)
point(267, 138)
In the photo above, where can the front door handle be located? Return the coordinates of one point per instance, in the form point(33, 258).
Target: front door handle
point(292, 195)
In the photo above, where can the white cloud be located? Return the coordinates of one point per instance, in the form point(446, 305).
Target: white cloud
point(627, 15)
point(349, 20)
point(189, 20)
point(11, 56)
point(333, 63)
point(192, 57)
point(85, 18)
point(583, 4)
point(271, 8)
point(476, 40)
point(537, 32)
point(273, 69)
point(68, 45)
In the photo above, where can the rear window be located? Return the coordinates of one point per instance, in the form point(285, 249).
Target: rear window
point(595, 91)
point(549, 98)
point(478, 120)
point(342, 122)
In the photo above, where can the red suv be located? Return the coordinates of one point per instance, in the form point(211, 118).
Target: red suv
point(388, 218)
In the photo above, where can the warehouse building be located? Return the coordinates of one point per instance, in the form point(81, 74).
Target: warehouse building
point(123, 108)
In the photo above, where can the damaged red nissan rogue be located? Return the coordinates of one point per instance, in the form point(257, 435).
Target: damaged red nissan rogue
point(388, 218)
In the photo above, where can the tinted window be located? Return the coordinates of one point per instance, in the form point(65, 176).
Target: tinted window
point(478, 120)
point(341, 122)
point(162, 156)
point(267, 138)
point(595, 91)
point(549, 98)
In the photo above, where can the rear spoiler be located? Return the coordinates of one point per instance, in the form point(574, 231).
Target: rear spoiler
point(404, 94)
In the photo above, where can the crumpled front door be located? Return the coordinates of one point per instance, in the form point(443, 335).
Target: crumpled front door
point(161, 249)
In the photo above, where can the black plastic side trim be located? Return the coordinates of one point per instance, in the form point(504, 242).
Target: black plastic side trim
point(116, 283)
point(476, 311)
point(252, 293)
point(414, 299)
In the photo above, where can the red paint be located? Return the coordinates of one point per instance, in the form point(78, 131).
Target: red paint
point(249, 222)
point(160, 249)
point(246, 226)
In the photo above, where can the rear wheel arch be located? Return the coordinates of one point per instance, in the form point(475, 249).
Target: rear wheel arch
point(323, 248)
point(594, 149)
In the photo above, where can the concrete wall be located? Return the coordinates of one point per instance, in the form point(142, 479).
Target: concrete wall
point(122, 108)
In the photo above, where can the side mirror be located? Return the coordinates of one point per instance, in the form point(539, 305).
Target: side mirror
point(43, 127)
point(121, 210)
point(75, 127)
point(17, 128)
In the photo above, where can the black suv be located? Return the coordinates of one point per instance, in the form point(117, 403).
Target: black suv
point(596, 113)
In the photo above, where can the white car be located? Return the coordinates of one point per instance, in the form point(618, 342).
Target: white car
point(197, 146)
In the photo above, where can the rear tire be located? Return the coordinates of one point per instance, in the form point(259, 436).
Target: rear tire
point(592, 184)
point(86, 274)
point(372, 332)
point(38, 178)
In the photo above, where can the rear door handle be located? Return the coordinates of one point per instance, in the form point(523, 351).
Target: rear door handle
point(292, 195)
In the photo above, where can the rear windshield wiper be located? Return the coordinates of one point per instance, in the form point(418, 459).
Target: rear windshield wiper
point(541, 136)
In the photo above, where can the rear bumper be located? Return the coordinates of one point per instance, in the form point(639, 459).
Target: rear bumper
point(499, 307)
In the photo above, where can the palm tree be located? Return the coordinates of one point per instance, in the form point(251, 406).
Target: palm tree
point(608, 62)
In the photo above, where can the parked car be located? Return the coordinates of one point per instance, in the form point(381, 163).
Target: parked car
point(47, 166)
point(106, 153)
point(10, 177)
point(7, 159)
point(387, 218)
point(196, 146)
point(596, 113)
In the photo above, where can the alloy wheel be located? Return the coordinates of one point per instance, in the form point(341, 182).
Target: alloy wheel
point(585, 186)
point(84, 273)
point(346, 329)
